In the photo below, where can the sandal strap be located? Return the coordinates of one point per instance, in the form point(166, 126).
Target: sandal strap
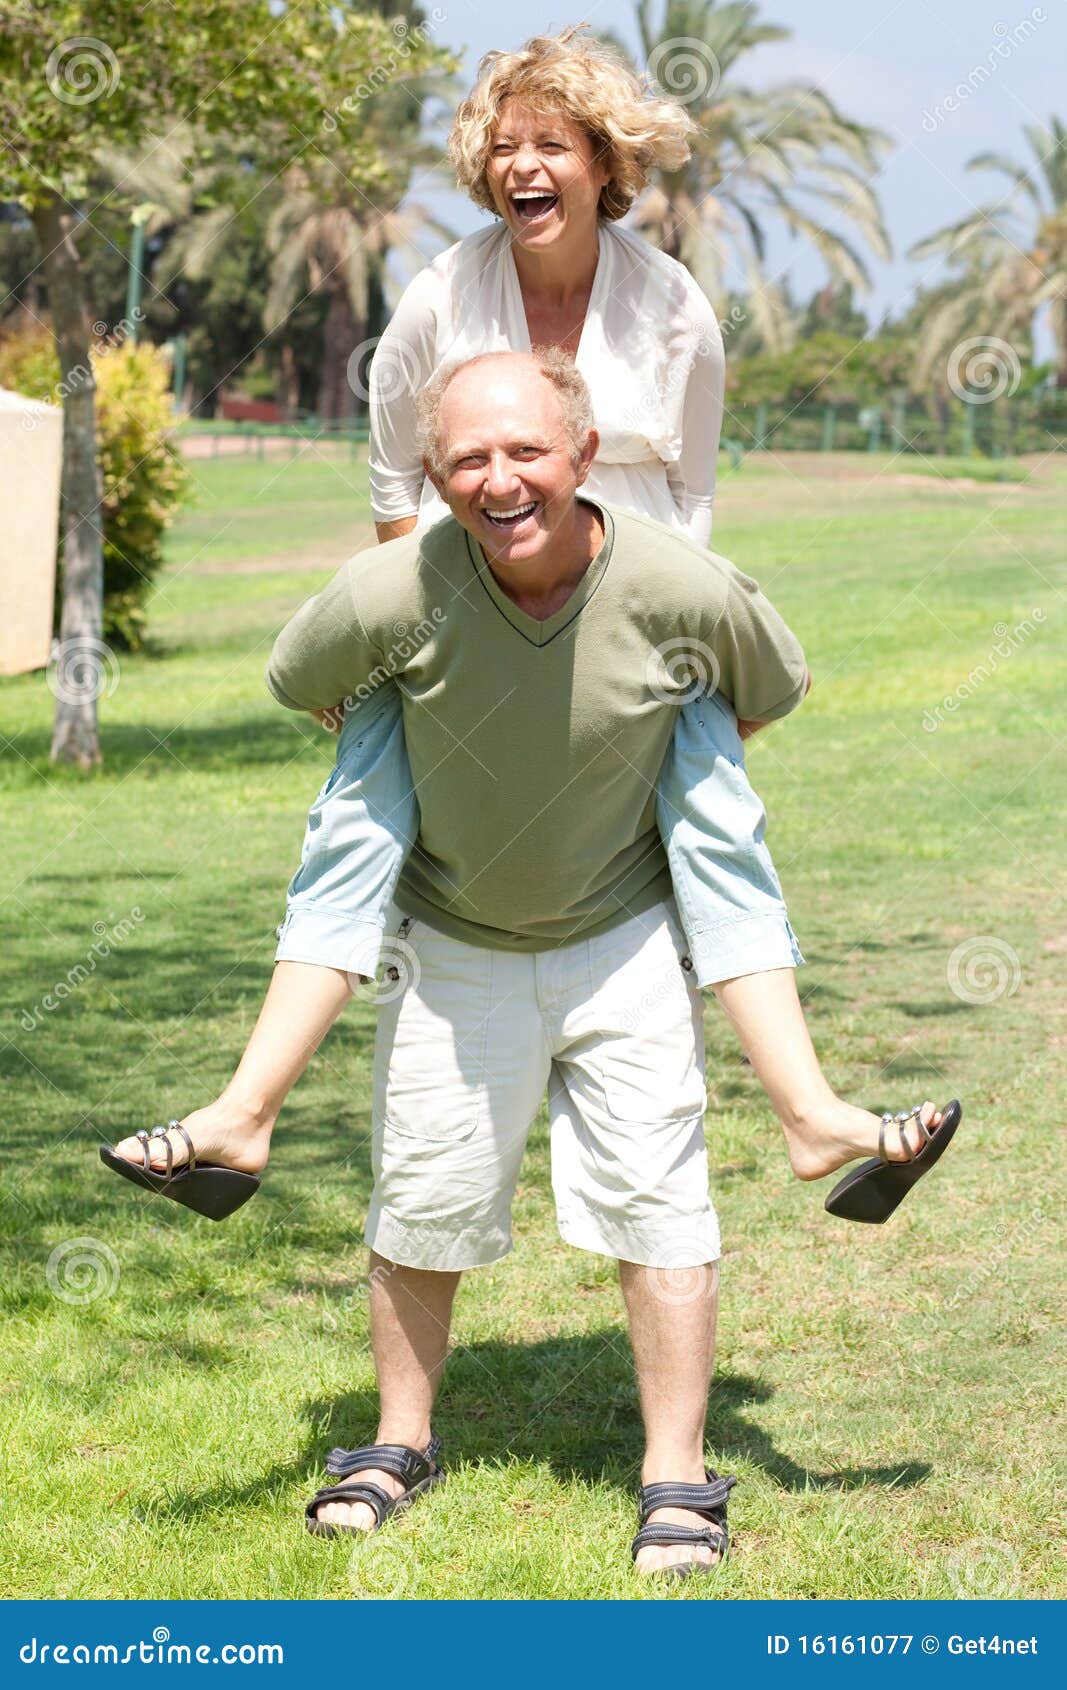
point(161, 1134)
point(900, 1122)
point(176, 1126)
point(373, 1495)
point(665, 1536)
point(146, 1150)
point(708, 1499)
point(410, 1465)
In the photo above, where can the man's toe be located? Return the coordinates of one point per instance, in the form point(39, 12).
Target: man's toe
point(353, 1514)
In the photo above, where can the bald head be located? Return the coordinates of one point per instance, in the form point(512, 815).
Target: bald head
point(544, 385)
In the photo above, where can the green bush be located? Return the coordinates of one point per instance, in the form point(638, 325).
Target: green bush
point(144, 478)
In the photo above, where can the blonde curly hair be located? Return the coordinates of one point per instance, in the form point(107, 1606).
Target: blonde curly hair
point(632, 127)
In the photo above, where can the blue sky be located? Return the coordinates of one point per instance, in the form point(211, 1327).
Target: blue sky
point(889, 64)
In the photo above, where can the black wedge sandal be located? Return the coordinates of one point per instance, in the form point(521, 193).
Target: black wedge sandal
point(420, 1472)
point(875, 1190)
point(204, 1186)
point(708, 1500)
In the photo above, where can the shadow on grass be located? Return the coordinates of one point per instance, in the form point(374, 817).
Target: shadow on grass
point(570, 1401)
point(170, 747)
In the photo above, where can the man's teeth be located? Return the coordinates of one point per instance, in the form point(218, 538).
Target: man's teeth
point(509, 516)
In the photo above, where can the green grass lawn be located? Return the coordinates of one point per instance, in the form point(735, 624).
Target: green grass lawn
point(887, 1397)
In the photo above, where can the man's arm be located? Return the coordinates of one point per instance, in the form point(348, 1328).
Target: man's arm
point(747, 729)
point(325, 652)
point(758, 661)
point(333, 719)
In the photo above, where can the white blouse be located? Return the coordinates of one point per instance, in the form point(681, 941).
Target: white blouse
point(650, 350)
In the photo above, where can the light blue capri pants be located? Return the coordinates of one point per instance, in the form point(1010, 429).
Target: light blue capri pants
point(366, 818)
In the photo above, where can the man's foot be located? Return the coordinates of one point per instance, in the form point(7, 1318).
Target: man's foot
point(659, 1558)
point(357, 1515)
point(824, 1138)
point(656, 1559)
point(419, 1456)
point(226, 1133)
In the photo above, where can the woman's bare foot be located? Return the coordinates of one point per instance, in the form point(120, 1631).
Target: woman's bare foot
point(228, 1133)
point(822, 1139)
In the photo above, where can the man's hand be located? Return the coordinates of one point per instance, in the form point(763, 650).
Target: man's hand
point(333, 719)
point(747, 729)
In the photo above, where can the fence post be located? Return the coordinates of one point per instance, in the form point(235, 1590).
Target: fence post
point(761, 426)
point(874, 438)
point(968, 428)
point(829, 417)
point(900, 425)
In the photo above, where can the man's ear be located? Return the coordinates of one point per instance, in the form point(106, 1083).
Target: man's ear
point(586, 455)
point(431, 475)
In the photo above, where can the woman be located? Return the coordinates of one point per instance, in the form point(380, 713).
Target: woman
point(557, 140)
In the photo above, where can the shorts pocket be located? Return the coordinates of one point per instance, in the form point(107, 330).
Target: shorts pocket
point(649, 1055)
point(432, 1039)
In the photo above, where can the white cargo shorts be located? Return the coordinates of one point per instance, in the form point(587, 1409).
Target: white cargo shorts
point(468, 1038)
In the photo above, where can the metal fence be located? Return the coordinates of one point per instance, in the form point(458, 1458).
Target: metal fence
point(1002, 427)
point(224, 439)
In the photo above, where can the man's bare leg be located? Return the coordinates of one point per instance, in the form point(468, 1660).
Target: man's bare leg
point(672, 1330)
point(410, 1315)
point(822, 1131)
point(303, 1001)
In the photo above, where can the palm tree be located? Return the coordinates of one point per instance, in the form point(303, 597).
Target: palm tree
point(758, 156)
point(203, 202)
point(326, 240)
point(329, 239)
point(1008, 258)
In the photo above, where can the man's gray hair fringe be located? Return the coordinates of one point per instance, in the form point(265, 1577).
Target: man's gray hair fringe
point(575, 403)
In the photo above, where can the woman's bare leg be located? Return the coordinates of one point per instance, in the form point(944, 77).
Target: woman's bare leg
point(302, 1004)
point(822, 1131)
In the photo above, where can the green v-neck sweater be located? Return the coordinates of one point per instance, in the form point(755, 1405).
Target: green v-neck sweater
point(535, 746)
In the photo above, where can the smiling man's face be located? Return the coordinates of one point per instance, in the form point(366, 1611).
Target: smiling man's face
point(508, 471)
point(543, 174)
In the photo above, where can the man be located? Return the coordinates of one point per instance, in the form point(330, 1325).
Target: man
point(556, 639)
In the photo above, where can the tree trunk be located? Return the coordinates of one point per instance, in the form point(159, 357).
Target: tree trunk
point(1059, 336)
point(339, 341)
point(82, 653)
point(290, 382)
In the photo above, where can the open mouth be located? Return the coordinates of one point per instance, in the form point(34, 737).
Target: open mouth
point(510, 519)
point(531, 206)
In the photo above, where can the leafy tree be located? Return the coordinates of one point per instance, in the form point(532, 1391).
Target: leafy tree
point(331, 240)
point(838, 368)
point(832, 307)
point(78, 75)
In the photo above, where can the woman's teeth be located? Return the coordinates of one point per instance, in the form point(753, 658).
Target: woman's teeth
point(501, 518)
point(532, 205)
